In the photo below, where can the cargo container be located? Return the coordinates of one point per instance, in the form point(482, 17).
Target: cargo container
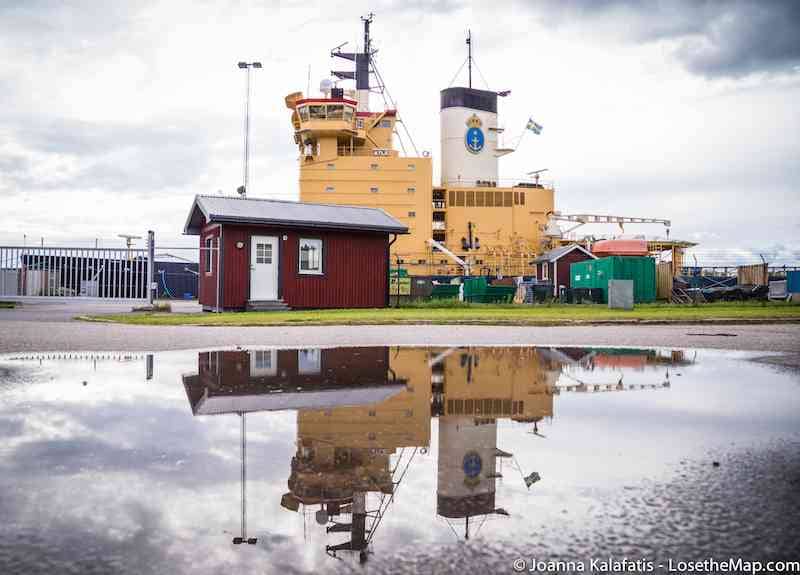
point(793, 282)
point(596, 273)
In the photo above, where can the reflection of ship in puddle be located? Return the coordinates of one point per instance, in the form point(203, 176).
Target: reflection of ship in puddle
point(363, 414)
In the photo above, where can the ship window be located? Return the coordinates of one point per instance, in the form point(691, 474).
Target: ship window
point(330, 189)
point(374, 189)
point(498, 199)
point(360, 123)
point(310, 256)
point(348, 114)
point(335, 112)
point(470, 198)
point(507, 199)
point(316, 112)
point(412, 214)
point(386, 123)
point(452, 195)
point(303, 112)
point(411, 190)
point(373, 166)
point(331, 166)
point(479, 199)
point(411, 167)
point(522, 198)
point(459, 198)
point(516, 198)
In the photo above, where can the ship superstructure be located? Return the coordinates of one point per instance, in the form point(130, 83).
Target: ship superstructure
point(348, 156)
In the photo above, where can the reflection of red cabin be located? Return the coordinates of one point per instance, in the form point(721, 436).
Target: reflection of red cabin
point(553, 266)
point(264, 379)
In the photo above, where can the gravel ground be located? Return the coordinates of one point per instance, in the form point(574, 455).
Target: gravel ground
point(49, 327)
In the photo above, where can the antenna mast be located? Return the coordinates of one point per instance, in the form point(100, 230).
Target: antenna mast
point(469, 55)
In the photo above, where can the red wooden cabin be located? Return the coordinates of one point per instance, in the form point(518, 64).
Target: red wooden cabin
point(271, 254)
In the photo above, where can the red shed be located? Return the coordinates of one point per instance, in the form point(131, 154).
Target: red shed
point(553, 266)
point(270, 254)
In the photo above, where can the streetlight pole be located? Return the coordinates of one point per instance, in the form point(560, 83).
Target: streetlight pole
point(247, 66)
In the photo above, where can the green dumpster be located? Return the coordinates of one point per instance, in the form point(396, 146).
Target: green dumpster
point(596, 273)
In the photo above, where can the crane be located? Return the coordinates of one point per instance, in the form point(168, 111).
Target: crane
point(582, 219)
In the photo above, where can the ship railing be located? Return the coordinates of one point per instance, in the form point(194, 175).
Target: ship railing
point(367, 152)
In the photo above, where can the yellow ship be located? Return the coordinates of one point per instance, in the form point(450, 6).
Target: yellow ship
point(347, 156)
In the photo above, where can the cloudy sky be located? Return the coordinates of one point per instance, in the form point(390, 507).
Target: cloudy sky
point(114, 115)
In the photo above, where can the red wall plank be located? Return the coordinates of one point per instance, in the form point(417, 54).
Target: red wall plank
point(354, 265)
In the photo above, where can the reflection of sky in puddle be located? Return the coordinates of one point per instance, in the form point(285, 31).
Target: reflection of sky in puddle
point(102, 467)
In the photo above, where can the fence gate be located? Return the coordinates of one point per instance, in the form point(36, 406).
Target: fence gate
point(69, 272)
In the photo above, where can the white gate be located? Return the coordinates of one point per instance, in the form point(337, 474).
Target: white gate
point(69, 272)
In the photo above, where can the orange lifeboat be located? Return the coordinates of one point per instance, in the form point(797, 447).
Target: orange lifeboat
point(620, 248)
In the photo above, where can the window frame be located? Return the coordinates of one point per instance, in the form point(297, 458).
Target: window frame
point(208, 268)
point(311, 272)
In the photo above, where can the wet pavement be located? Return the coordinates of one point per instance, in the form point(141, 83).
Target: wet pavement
point(395, 459)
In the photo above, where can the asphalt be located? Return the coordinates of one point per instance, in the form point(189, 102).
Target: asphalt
point(51, 327)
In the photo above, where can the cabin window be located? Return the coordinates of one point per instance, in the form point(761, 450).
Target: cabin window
point(411, 167)
point(310, 256)
point(507, 199)
point(386, 123)
point(335, 112)
point(373, 166)
point(470, 198)
point(452, 195)
point(348, 114)
point(330, 189)
point(331, 166)
point(498, 199)
point(374, 189)
point(302, 111)
point(316, 112)
point(411, 190)
point(412, 214)
point(459, 198)
point(522, 198)
point(209, 267)
point(360, 123)
point(479, 199)
point(263, 253)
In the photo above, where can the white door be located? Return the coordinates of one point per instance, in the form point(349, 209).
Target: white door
point(263, 268)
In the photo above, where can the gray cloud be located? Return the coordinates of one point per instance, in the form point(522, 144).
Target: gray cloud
point(722, 38)
point(113, 157)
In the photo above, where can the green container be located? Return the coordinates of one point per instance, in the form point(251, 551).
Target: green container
point(596, 273)
point(445, 291)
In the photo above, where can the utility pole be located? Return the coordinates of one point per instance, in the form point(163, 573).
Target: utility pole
point(247, 66)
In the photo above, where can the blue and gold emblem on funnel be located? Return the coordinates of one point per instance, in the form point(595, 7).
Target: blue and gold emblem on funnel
point(474, 138)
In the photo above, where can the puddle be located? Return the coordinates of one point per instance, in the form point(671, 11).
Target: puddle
point(408, 459)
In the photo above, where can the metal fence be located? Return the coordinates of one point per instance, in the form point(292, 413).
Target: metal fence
point(69, 272)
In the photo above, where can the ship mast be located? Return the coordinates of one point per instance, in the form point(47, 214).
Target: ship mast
point(469, 56)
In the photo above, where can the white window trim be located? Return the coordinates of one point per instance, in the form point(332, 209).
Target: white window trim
point(209, 265)
point(321, 270)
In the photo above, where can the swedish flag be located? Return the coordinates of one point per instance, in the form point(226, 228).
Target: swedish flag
point(533, 126)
